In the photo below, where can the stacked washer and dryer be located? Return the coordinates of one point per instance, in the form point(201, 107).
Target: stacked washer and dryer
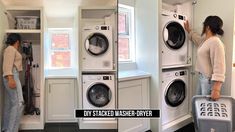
point(176, 60)
point(98, 76)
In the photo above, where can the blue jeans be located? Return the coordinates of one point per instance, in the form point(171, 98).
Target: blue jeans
point(204, 85)
point(14, 104)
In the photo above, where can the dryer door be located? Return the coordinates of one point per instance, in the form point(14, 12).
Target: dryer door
point(96, 44)
point(99, 95)
point(176, 93)
point(174, 35)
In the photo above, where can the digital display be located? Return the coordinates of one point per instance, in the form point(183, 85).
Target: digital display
point(181, 17)
point(105, 77)
point(182, 73)
point(104, 28)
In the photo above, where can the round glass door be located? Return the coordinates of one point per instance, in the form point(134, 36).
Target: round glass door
point(97, 44)
point(174, 35)
point(99, 95)
point(176, 93)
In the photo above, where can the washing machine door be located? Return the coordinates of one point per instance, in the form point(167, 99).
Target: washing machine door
point(174, 35)
point(99, 95)
point(96, 44)
point(176, 93)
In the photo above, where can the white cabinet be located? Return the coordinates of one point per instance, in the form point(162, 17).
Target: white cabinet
point(133, 94)
point(60, 100)
point(30, 36)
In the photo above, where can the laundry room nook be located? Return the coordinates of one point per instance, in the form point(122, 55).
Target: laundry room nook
point(164, 52)
point(111, 55)
point(32, 49)
point(98, 51)
point(69, 60)
point(195, 12)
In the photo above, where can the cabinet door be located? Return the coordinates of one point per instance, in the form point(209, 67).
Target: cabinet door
point(60, 100)
point(133, 95)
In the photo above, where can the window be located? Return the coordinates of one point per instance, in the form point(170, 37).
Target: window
point(126, 43)
point(59, 49)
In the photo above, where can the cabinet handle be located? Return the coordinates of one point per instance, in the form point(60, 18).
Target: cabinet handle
point(49, 89)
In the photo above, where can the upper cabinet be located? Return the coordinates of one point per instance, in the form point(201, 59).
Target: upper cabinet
point(24, 20)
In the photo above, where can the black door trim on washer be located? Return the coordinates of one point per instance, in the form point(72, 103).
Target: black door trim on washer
point(97, 40)
point(176, 35)
point(99, 95)
point(176, 93)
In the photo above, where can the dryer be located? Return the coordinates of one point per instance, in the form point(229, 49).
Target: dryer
point(175, 95)
point(174, 41)
point(97, 48)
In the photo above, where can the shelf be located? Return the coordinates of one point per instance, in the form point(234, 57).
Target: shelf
point(99, 71)
point(31, 122)
point(176, 66)
point(23, 31)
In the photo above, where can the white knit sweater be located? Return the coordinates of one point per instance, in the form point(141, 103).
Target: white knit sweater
point(11, 58)
point(210, 56)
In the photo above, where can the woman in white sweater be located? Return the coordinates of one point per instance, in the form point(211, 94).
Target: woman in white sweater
point(14, 102)
point(210, 62)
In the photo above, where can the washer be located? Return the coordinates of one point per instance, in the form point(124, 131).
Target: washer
point(175, 92)
point(174, 40)
point(98, 91)
point(97, 48)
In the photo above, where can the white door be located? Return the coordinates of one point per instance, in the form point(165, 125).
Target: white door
point(61, 100)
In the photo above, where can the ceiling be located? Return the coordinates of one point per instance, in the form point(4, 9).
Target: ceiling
point(59, 8)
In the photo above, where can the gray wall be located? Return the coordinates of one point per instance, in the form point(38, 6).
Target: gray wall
point(224, 9)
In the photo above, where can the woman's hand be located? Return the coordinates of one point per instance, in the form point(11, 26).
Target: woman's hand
point(11, 82)
point(215, 93)
point(186, 26)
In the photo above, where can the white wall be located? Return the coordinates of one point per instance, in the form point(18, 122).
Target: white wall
point(127, 2)
point(3, 26)
point(147, 47)
point(224, 9)
point(233, 71)
point(60, 22)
